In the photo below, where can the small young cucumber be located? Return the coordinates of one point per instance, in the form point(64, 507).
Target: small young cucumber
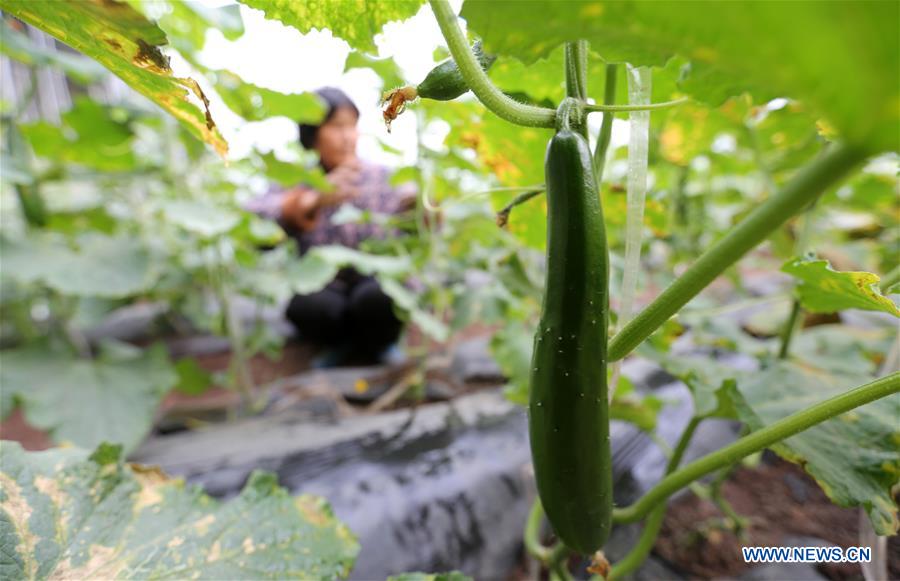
point(568, 409)
point(445, 82)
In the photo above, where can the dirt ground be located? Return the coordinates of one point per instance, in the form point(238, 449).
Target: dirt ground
point(780, 500)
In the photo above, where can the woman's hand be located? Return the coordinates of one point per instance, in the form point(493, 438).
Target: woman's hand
point(301, 205)
point(300, 208)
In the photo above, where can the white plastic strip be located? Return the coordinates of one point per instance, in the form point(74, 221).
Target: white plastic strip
point(639, 82)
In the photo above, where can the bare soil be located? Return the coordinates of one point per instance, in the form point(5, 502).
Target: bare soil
point(781, 501)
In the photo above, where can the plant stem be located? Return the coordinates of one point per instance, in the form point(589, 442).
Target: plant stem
point(795, 317)
point(503, 214)
point(477, 80)
point(645, 543)
point(789, 328)
point(576, 77)
point(629, 108)
point(573, 89)
point(532, 530)
point(805, 187)
point(550, 557)
point(758, 440)
point(576, 69)
point(560, 571)
point(609, 97)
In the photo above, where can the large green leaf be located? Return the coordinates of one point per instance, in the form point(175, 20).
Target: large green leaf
point(363, 261)
point(67, 515)
point(709, 382)
point(823, 290)
point(310, 274)
point(295, 173)
point(124, 41)
point(202, 218)
point(101, 266)
point(853, 457)
point(91, 135)
point(842, 57)
point(186, 23)
point(86, 402)
point(257, 103)
point(356, 21)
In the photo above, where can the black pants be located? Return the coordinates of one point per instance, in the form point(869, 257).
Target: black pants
point(351, 310)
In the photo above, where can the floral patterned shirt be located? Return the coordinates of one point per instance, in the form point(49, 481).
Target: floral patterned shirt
point(376, 195)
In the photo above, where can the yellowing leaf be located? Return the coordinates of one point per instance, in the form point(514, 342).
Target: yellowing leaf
point(128, 44)
point(68, 515)
point(823, 290)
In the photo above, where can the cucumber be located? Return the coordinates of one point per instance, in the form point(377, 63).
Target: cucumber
point(568, 409)
point(445, 83)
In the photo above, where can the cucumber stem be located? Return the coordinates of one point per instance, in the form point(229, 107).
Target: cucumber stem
point(603, 139)
point(645, 543)
point(576, 69)
point(477, 79)
point(503, 214)
point(805, 187)
point(756, 441)
point(576, 77)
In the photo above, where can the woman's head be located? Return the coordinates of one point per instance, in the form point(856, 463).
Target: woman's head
point(335, 138)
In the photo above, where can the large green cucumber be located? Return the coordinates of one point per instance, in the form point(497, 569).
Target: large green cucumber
point(568, 408)
point(445, 83)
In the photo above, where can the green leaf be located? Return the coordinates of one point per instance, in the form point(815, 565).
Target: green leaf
point(823, 290)
point(628, 406)
point(842, 349)
point(258, 231)
point(101, 266)
point(363, 261)
point(124, 41)
point(91, 135)
point(113, 398)
point(17, 45)
point(192, 379)
point(186, 23)
point(407, 302)
point(310, 274)
point(202, 218)
point(449, 576)
point(511, 347)
point(840, 56)
point(74, 516)
point(255, 103)
point(294, 173)
point(709, 382)
point(386, 69)
point(408, 174)
point(356, 22)
point(853, 457)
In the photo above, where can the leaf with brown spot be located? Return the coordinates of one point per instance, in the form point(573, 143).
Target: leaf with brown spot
point(128, 44)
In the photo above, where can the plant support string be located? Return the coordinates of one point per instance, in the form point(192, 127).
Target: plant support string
point(639, 82)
